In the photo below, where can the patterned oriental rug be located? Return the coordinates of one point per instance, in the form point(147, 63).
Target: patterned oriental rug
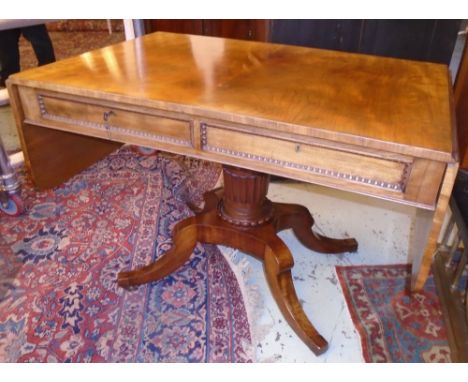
point(394, 326)
point(59, 301)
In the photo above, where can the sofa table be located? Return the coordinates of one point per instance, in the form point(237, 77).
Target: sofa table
point(376, 126)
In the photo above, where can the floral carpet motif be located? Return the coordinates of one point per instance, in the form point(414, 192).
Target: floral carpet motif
point(59, 300)
point(394, 325)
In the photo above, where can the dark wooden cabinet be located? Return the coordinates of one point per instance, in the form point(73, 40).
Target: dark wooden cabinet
point(243, 29)
point(424, 40)
point(176, 26)
point(461, 108)
point(324, 34)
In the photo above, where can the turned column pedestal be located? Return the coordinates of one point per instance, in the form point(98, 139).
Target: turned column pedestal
point(241, 216)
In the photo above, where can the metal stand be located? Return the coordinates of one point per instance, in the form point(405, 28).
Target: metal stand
point(11, 203)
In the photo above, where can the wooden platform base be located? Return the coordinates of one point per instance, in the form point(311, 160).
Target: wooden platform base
point(242, 217)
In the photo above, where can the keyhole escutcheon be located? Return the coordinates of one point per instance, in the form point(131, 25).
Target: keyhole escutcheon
point(107, 115)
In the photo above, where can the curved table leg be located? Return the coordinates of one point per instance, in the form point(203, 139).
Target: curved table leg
point(263, 243)
point(301, 221)
point(277, 265)
point(185, 239)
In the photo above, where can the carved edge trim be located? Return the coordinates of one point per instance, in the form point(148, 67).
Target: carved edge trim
point(239, 222)
point(109, 128)
point(400, 186)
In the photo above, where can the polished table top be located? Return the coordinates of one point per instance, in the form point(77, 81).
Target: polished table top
point(402, 106)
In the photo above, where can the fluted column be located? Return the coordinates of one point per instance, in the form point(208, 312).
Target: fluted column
point(244, 202)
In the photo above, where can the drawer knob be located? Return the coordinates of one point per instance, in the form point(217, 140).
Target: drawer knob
point(298, 148)
point(107, 115)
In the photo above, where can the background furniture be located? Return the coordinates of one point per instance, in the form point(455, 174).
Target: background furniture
point(451, 262)
point(425, 40)
point(243, 29)
point(451, 271)
point(461, 108)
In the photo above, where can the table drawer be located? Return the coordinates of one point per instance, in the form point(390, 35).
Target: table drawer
point(86, 116)
point(387, 175)
point(384, 173)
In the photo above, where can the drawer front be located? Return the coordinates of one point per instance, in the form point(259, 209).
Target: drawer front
point(388, 174)
point(84, 116)
point(401, 178)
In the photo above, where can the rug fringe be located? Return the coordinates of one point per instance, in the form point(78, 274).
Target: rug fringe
point(254, 303)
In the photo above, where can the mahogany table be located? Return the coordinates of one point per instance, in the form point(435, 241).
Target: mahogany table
point(376, 126)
